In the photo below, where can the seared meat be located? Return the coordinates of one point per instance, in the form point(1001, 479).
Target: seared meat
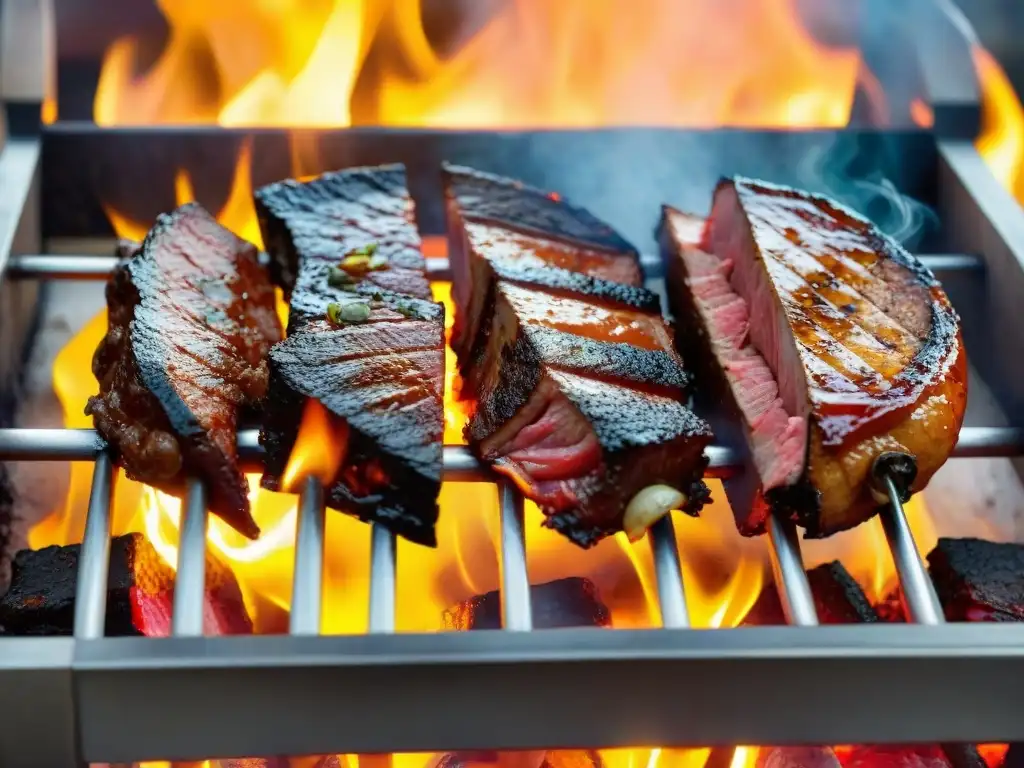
point(979, 580)
point(823, 339)
point(838, 599)
point(191, 319)
point(797, 757)
point(311, 226)
point(380, 373)
point(575, 386)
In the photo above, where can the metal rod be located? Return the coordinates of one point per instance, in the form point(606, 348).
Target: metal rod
point(307, 582)
point(382, 579)
point(460, 465)
point(47, 266)
point(790, 577)
point(190, 581)
point(919, 598)
point(94, 561)
point(669, 573)
point(516, 611)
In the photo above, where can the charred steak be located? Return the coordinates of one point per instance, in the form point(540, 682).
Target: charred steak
point(575, 387)
point(824, 339)
point(191, 319)
point(363, 339)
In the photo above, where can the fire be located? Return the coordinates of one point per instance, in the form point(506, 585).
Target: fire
point(515, 64)
point(1001, 142)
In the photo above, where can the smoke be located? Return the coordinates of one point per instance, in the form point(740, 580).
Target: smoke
point(850, 170)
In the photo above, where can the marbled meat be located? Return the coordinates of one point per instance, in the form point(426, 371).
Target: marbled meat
point(575, 387)
point(191, 320)
point(364, 339)
point(822, 343)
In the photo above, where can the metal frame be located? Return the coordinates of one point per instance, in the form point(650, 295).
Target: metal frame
point(124, 699)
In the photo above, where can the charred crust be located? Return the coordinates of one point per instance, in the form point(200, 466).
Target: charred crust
point(521, 375)
point(489, 197)
point(607, 359)
point(313, 219)
point(973, 573)
point(577, 284)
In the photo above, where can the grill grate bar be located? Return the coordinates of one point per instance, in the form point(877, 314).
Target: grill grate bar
point(516, 610)
point(460, 466)
point(307, 582)
point(383, 564)
point(94, 561)
point(790, 577)
point(47, 266)
point(190, 581)
point(669, 575)
point(920, 601)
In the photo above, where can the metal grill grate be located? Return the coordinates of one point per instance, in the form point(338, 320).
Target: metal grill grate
point(459, 466)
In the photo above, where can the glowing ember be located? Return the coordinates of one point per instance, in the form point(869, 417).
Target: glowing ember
point(527, 63)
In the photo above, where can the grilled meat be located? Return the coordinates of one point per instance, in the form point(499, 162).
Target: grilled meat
point(838, 599)
point(346, 245)
point(140, 592)
point(191, 319)
point(823, 340)
point(570, 369)
point(978, 580)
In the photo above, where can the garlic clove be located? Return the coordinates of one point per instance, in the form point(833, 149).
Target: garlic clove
point(648, 506)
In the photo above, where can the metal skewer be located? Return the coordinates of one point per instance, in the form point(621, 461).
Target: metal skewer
point(892, 476)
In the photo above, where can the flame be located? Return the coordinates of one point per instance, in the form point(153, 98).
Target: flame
point(526, 63)
point(319, 448)
point(1001, 142)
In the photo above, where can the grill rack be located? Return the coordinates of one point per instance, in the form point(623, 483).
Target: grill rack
point(191, 698)
point(459, 466)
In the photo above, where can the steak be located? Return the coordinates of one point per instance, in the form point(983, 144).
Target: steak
point(838, 599)
point(978, 580)
point(191, 319)
point(576, 391)
point(364, 340)
point(140, 593)
point(823, 344)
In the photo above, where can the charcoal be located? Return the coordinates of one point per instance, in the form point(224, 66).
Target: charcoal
point(140, 591)
point(6, 528)
point(571, 602)
point(897, 756)
point(837, 597)
point(796, 757)
point(1014, 756)
point(979, 580)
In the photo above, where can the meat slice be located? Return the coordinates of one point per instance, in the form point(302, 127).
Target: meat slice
point(140, 593)
point(823, 340)
point(575, 387)
point(364, 340)
point(191, 319)
point(978, 580)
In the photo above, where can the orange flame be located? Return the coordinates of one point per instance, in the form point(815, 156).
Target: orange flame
point(527, 63)
point(1001, 142)
point(319, 450)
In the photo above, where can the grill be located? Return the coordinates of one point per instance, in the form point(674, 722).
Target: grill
point(93, 698)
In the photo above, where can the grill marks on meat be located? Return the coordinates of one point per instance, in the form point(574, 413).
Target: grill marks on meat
point(191, 319)
point(575, 383)
point(384, 378)
point(827, 340)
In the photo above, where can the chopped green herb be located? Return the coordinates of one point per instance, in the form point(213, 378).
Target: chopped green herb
point(406, 309)
point(355, 313)
point(378, 296)
point(338, 278)
point(378, 262)
point(356, 264)
point(334, 313)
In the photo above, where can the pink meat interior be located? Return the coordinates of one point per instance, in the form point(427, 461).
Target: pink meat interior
point(745, 326)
